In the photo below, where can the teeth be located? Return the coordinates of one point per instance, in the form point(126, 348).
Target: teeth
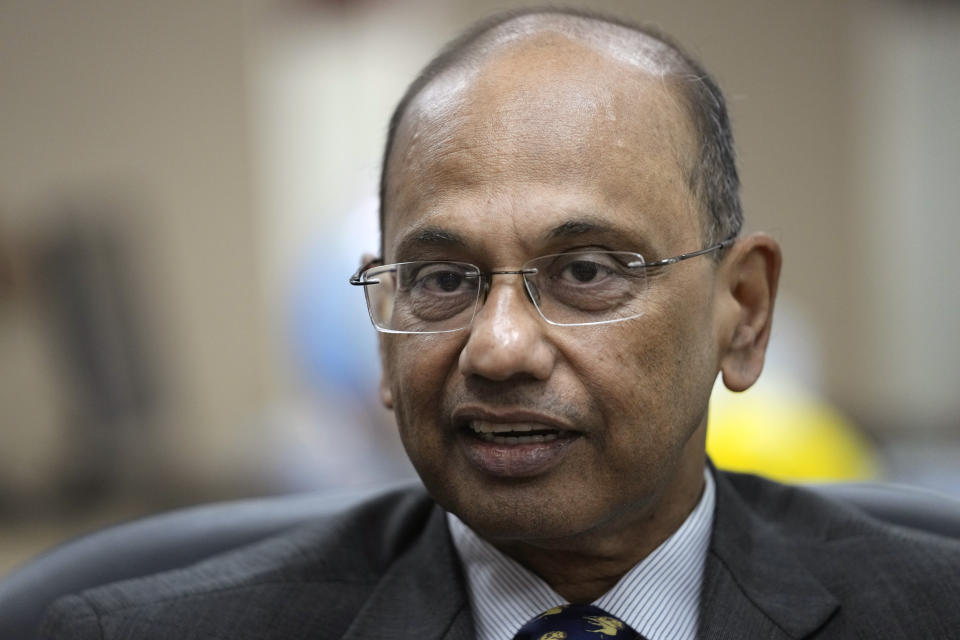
point(489, 427)
point(489, 437)
point(499, 433)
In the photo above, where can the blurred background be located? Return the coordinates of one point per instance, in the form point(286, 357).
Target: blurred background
point(186, 186)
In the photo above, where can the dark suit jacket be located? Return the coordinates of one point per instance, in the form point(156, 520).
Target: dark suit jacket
point(783, 563)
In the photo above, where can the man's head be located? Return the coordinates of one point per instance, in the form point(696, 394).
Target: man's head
point(543, 134)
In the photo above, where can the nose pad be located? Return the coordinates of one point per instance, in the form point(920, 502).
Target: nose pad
point(507, 337)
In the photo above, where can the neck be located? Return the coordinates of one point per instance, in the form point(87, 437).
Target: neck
point(584, 567)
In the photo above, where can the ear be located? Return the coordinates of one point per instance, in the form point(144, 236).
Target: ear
point(750, 275)
point(386, 395)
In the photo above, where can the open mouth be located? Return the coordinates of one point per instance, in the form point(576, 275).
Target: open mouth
point(513, 443)
point(513, 434)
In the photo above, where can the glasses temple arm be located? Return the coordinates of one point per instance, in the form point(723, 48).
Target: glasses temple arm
point(357, 279)
point(693, 254)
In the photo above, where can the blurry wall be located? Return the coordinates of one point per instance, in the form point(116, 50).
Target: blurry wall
point(132, 119)
point(901, 366)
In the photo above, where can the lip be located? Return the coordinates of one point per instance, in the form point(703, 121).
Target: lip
point(502, 458)
point(468, 413)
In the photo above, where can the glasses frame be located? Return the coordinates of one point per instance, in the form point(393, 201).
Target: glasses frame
point(359, 279)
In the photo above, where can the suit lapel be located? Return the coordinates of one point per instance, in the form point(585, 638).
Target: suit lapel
point(754, 585)
point(422, 594)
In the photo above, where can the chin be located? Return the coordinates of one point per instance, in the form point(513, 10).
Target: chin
point(521, 511)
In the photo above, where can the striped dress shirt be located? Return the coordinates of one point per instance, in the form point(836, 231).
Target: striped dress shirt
point(659, 597)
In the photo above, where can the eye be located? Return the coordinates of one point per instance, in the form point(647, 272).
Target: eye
point(441, 280)
point(583, 270)
point(435, 292)
point(589, 268)
point(438, 278)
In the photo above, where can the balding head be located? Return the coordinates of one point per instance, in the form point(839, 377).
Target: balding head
point(605, 52)
point(549, 388)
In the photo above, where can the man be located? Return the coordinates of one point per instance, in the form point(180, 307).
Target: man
point(562, 278)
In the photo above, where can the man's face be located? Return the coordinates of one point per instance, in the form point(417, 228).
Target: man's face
point(550, 148)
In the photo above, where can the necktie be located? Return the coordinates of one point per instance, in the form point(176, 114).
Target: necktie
point(576, 622)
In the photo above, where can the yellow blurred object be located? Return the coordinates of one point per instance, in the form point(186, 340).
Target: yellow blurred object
point(785, 435)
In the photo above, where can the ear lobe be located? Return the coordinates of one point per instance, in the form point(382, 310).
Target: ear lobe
point(386, 396)
point(755, 272)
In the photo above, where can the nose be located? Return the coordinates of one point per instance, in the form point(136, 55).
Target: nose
point(507, 339)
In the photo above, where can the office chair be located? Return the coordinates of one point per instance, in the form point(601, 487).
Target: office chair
point(186, 536)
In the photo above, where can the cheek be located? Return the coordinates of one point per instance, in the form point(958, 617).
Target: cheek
point(418, 368)
point(633, 360)
point(650, 385)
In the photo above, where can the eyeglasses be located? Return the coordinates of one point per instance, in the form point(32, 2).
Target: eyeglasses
point(573, 289)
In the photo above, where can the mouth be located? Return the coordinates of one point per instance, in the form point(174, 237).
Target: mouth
point(513, 444)
point(514, 434)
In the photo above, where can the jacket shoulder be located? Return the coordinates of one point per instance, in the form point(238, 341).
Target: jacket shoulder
point(314, 575)
point(886, 577)
point(807, 516)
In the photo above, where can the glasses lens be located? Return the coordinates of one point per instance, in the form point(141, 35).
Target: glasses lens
point(587, 288)
point(422, 297)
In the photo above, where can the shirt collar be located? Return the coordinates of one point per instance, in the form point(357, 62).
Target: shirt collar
point(659, 597)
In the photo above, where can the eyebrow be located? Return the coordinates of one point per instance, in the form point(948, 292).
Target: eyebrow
point(579, 227)
point(429, 237)
point(593, 227)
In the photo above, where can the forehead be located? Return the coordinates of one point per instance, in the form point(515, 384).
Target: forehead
point(546, 131)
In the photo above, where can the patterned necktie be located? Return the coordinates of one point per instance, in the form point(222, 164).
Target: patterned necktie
point(576, 622)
